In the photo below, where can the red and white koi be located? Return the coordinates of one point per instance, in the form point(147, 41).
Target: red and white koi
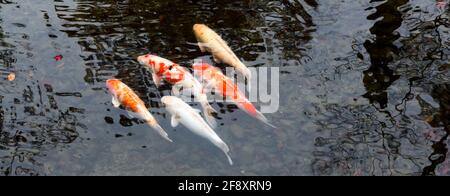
point(224, 86)
point(125, 96)
point(180, 78)
point(157, 65)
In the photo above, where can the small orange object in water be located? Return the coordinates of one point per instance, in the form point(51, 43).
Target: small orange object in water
point(11, 76)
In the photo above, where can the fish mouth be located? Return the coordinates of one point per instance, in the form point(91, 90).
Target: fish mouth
point(165, 101)
point(198, 27)
point(140, 61)
point(110, 88)
point(109, 83)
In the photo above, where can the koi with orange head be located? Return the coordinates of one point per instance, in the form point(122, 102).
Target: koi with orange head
point(125, 96)
point(224, 86)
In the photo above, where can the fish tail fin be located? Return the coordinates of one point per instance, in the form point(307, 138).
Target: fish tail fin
point(160, 130)
point(151, 121)
point(245, 71)
point(229, 159)
point(224, 147)
point(263, 119)
point(248, 74)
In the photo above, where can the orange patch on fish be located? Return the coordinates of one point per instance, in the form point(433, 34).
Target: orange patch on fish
point(225, 86)
point(126, 96)
point(174, 75)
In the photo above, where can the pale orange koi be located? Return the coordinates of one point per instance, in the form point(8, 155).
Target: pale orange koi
point(210, 41)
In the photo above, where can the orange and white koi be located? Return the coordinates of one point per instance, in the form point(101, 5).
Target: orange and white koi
point(189, 117)
point(224, 86)
point(125, 96)
point(180, 78)
point(210, 41)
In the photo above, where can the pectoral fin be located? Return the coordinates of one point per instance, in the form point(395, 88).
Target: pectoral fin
point(202, 47)
point(156, 79)
point(176, 90)
point(134, 115)
point(210, 86)
point(175, 120)
point(208, 112)
point(217, 60)
point(115, 102)
point(197, 110)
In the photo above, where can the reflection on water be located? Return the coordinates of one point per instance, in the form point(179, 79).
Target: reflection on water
point(364, 87)
point(442, 119)
point(379, 76)
point(31, 120)
point(406, 54)
point(112, 34)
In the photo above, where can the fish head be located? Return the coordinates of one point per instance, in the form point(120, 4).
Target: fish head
point(158, 65)
point(169, 101)
point(199, 27)
point(150, 61)
point(113, 85)
point(144, 59)
point(200, 31)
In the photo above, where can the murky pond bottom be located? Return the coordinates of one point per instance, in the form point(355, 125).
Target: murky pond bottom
point(364, 87)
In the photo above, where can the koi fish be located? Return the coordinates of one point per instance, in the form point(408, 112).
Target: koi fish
point(180, 78)
point(224, 86)
point(183, 113)
point(125, 96)
point(157, 65)
point(210, 41)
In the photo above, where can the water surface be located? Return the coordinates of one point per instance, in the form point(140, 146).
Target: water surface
point(365, 87)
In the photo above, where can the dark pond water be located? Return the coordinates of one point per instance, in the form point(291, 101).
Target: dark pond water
point(365, 87)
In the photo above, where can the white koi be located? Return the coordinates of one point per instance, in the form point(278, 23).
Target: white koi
point(183, 113)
